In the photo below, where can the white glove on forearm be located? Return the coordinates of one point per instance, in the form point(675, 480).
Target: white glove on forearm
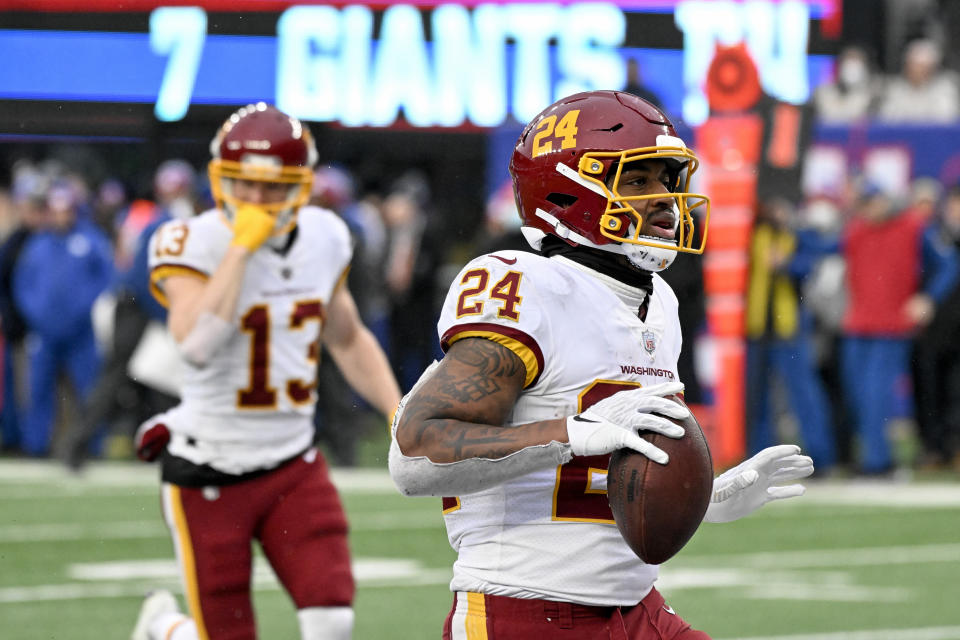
point(742, 490)
point(613, 422)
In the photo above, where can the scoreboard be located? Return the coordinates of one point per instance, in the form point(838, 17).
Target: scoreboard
point(126, 67)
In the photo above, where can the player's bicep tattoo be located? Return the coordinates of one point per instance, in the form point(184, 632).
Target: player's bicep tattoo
point(485, 366)
point(478, 382)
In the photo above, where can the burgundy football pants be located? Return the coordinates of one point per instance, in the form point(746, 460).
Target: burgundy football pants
point(295, 514)
point(477, 616)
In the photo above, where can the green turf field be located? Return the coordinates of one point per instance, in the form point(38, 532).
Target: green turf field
point(849, 561)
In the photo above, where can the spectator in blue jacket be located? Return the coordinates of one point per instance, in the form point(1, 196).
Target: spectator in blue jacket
point(117, 401)
point(60, 272)
point(29, 195)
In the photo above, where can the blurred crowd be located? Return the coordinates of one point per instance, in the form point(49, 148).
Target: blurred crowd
point(852, 303)
point(852, 312)
point(853, 309)
point(924, 90)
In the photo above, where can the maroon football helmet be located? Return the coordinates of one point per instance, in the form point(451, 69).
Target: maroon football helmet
point(566, 170)
point(261, 143)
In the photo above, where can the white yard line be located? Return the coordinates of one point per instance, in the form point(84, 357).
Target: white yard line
point(135, 578)
point(73, 591)
point(752, 576)
point(862, 556)
point(883, 494)
point(129, 475)
point(764, 584)
point(124, 476)
point(68, 531)
point(153, 527)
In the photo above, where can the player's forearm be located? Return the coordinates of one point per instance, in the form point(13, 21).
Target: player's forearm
point(367, 371)
point(224, 289)
point(445, 440)
point(218, 295)
point(450, 437)
point(451, 457)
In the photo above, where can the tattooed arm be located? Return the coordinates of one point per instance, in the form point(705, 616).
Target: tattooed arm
point(459, 411)
point(449, 438)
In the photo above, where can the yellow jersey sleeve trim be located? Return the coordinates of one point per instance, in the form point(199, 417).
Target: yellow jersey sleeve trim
point(523, 352)
point(341, 281)
point(166, 271)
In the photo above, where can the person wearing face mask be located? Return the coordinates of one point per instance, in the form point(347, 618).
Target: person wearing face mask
point(924, 92)
point(852, 96)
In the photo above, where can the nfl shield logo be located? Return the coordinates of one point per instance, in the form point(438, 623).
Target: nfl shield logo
point(649, 341)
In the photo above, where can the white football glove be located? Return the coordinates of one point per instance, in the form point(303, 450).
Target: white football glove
point(742, 490)
point(613, 422)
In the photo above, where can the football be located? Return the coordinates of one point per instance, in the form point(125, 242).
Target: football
point(657, 507)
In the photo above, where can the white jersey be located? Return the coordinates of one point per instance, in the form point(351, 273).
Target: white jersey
point(252, 405)
point(550, 534)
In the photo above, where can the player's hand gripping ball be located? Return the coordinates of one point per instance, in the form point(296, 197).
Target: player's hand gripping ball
point(657, 507)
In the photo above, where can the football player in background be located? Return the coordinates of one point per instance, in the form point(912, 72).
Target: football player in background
point(250, 287)
point(552, 361)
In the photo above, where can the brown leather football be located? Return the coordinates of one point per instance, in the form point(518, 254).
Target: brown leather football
point(659, 507)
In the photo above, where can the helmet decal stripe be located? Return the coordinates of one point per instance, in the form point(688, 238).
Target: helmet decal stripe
point(563, 230)
point(576, 177)
point(670, 141)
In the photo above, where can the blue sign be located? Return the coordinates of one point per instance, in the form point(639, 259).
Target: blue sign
point(486, 65)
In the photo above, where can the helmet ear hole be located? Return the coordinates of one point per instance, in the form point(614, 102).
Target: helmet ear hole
point(562, 200)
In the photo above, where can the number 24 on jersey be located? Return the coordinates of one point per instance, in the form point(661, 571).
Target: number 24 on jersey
point(475, 292)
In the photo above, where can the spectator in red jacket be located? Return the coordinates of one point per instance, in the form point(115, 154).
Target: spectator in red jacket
point(882, 249)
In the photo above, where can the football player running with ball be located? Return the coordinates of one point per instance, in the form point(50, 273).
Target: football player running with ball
point(514, 426)
point(251, 286)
